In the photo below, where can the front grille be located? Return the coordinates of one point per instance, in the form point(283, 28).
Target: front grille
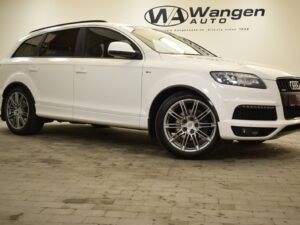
point(255, 112)
point(290, 96)
point(284, 85)
point(291, 112)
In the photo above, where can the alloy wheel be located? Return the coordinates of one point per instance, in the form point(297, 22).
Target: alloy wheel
point(17, 110)
point(190, 125)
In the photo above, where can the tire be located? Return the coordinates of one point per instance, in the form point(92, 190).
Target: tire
point(186, 125)
point(19, 111)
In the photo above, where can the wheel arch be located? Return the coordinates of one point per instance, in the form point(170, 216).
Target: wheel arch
point(165, 93)
point(7, 89)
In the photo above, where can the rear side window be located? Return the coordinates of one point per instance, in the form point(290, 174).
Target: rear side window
point(60, 44)
point(29, 47)
point(98, 39)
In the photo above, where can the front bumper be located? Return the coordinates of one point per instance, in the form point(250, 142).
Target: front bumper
point(232, 98)
point(281, 128)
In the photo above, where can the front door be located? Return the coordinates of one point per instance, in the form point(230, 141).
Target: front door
point(107, 90)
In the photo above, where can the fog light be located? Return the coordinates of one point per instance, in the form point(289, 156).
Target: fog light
point(252, 131)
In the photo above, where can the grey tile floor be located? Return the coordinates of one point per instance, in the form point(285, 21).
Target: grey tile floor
point(75, 174)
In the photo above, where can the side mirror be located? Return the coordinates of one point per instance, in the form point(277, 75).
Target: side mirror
point(121, 49)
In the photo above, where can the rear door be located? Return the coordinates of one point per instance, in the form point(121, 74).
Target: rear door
point(52, 72)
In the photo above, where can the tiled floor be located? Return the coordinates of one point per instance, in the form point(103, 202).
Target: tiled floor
point(75, 174)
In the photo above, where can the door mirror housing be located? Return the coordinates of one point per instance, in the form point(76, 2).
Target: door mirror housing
point(122, 49)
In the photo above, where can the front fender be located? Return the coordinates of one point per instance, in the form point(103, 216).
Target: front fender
point(154, 84)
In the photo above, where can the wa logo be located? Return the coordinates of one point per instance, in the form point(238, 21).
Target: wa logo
point(166, 16)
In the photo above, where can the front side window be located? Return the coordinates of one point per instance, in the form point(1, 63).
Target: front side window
point(29, 47)
point(98, 40)
point(60, 44)
point(168, 43)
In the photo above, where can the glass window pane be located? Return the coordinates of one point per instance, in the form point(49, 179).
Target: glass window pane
point(29, 47)
point(60, 44)
point(98, 40)
point(168, 43)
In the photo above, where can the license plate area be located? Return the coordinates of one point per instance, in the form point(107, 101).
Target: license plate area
point(291, 99)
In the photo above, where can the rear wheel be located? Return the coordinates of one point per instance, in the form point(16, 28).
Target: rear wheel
point(20, 113)
point(187, 126)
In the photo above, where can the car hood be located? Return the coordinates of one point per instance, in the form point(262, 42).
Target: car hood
point(222, 64)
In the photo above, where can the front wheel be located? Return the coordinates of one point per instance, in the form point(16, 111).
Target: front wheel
point(187, 126)
point(20, 113)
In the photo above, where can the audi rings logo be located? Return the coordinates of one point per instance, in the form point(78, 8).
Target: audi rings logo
point(295, 85)
point(166, 16)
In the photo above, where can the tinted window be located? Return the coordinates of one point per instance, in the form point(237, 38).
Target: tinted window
point(98, 39)
point(60, 43)
point(29, 47)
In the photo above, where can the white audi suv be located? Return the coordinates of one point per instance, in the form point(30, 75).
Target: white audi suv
point(100, 73)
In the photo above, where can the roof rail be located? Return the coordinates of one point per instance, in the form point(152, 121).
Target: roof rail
point(63, 24)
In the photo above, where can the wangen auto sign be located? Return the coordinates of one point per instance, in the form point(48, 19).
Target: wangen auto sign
point(167, 16)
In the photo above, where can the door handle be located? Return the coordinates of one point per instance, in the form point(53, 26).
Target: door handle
point(33, 69)
point(81, 70)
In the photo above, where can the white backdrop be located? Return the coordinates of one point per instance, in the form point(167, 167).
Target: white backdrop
point(272, 39)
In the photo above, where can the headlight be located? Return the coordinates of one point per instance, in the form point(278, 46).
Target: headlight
point(238, 79)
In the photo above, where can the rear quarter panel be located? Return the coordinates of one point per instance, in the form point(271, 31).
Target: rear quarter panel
point(15, 70)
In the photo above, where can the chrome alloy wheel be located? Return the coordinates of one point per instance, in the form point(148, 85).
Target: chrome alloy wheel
point(17, 110)
point(190, 125)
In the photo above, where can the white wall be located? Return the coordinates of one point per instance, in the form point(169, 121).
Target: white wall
point(272, 39)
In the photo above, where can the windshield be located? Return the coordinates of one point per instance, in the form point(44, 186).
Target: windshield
point(168, 43)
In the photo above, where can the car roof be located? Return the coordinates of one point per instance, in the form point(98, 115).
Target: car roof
point(70, 25)
point(74, 25)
